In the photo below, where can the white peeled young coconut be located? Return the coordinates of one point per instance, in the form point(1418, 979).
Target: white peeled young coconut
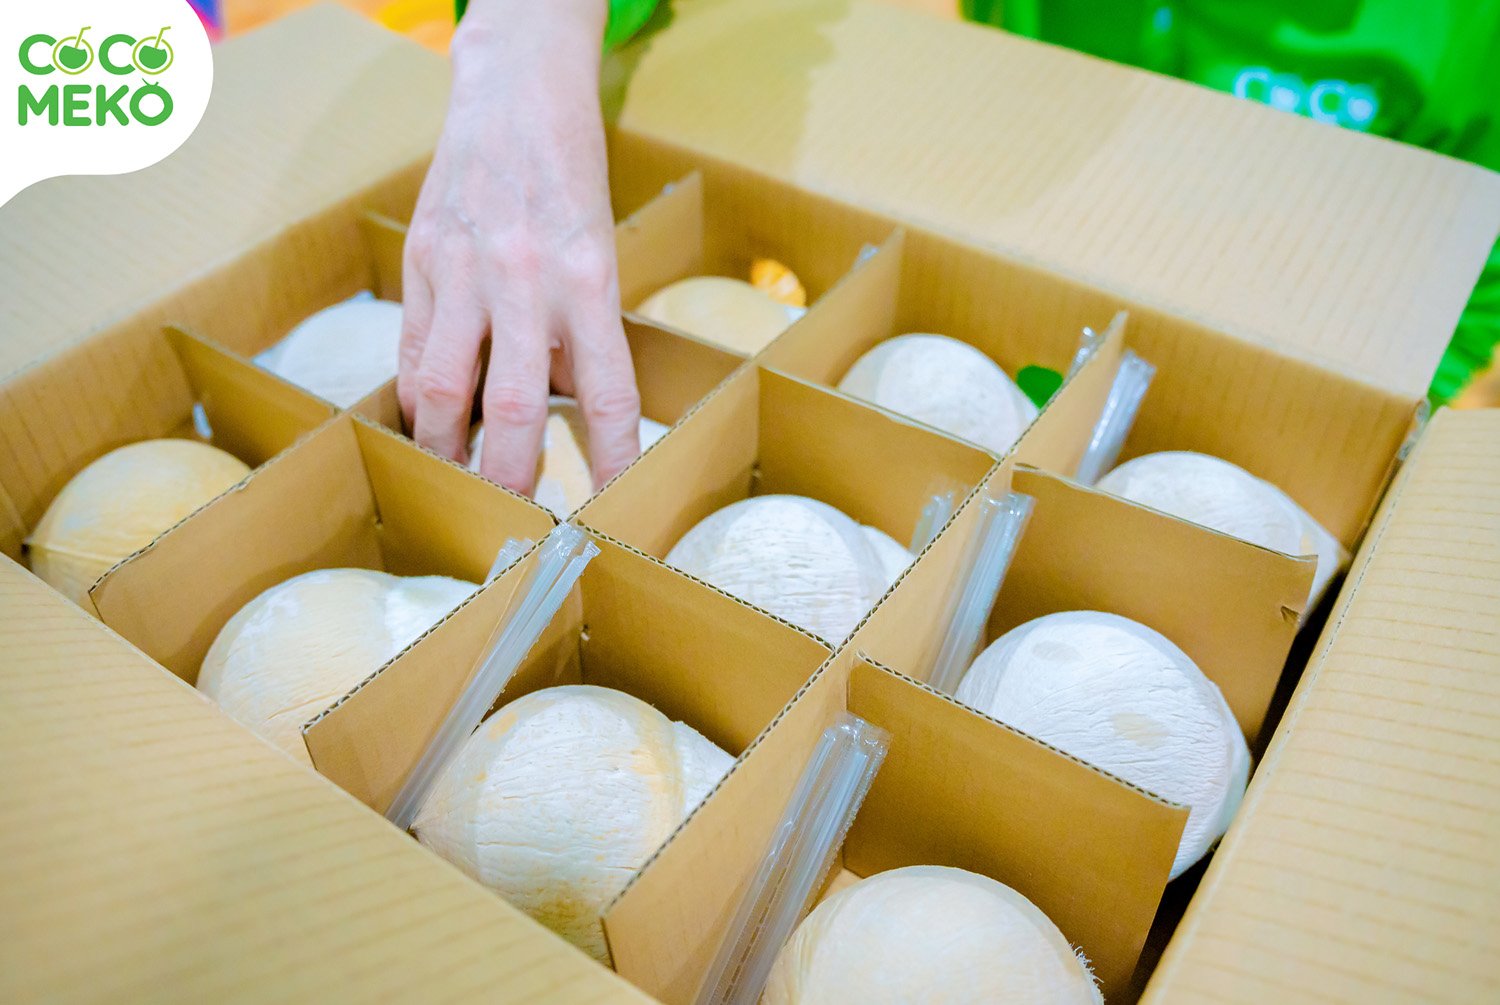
point(561, 796)
point(798, 558)
point(303, 644)
point(341, 353)
point(948, 384)
point(928, 934)
point(1224, 497)
point(727, 312)
point(565, 480)
point(1124, 698)
point(120, 503)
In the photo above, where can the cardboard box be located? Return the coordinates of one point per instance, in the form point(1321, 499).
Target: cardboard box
point(1265, 259)
point(632, 624)
point(352, 495)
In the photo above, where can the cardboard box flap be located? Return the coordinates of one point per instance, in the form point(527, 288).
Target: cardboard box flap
point(1323, 243)
point(151, 849)
point(1363, 861)
point(296, 123)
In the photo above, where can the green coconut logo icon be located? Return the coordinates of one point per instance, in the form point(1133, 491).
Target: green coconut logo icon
point(153, 55)
point(72, 55)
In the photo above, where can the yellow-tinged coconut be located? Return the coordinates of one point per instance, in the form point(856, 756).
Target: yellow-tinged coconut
point(343, 352)
point(928, 934)
point(120, 503)
point(561, 796)
point(565, 479)
point(727, 312)
point(305, 643)
point(948, 384)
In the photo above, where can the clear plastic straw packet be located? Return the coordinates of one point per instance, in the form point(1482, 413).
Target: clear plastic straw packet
point(797, 860)
point(559, 563)
point(1001, 523)
point(935, 516)
point(1088, 344)
point(509, 553)
point(1116, 418)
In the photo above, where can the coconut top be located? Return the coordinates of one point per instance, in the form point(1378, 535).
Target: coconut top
point(120, 503)
point(728, 312)
point(1124, 698)
point(343, 352)
point(560, 797)
point(948, 384)
point(300, 646)
point(928, 934)
point(798, 558)
point(1211, 492)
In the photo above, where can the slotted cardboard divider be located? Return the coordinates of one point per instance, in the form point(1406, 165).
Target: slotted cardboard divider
point(1231, 606)
point(632, 624)
point(62, 415)
point(685, 232)
point(350, 495)
point(956, 789)
point(764, 433)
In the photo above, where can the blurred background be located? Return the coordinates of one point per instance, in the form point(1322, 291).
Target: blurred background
point(1426, 74)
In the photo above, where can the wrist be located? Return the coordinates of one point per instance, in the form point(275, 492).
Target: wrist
point(513, 30)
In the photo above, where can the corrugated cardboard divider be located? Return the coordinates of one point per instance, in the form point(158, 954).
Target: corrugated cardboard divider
point(1031, 319)
point(312, 265)
point(988, 799)
point(764, 432)
point(62, 415)
point(685, 231)
point(350, 495)
point(697, 655)
point(1326, 438)
point(1231, 606)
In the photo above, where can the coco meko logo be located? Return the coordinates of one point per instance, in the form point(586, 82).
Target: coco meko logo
point(119, 88)
point(149, 104)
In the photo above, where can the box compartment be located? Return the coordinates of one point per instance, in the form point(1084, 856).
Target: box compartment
point(764, 433)
point(350, 495)
point(61, 415)
point(632, 624)
point(685, 232)
point(990, 800)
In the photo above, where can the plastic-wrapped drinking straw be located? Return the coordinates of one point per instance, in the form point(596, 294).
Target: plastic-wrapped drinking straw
point(801, 851)
point(935, 516)
point(1088, 344)
point(509, 553)
point(1001, 522)
point(558, 565)
point(1121, 406)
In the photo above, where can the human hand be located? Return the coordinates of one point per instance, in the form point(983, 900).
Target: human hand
point(513, 240)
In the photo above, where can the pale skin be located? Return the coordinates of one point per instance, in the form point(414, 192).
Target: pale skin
point(512, 242)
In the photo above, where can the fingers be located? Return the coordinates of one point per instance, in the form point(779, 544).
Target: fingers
point(416, 322)
point(445, 379)
point(607, 394)
point(515, 394)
